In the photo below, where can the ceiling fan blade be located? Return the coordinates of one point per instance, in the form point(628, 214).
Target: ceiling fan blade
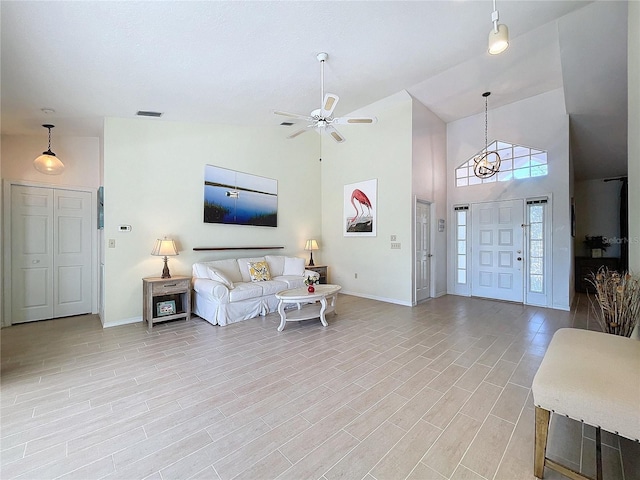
point(306, 118)
point(335, 134)
point(329, 104)
point(299, 132)
point(354, 120)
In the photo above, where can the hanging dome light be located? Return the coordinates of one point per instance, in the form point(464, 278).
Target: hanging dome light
point(48, 163)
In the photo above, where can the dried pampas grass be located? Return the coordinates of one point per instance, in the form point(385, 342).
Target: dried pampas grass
point(617, 301)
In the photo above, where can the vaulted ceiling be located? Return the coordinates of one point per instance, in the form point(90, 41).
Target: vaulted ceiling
point(235, 62)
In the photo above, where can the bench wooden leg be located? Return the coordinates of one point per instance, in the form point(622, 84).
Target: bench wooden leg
point(598, 454)
point(542, 432)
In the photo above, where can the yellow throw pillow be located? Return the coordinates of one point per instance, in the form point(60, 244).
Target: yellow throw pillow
point(259, 271)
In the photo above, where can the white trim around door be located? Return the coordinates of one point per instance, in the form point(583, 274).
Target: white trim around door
point(423, 264)
point(502, 250)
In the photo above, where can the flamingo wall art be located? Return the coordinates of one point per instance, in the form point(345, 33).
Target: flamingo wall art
point(360, 207)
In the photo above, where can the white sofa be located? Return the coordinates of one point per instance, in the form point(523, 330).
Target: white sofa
point(224, 292)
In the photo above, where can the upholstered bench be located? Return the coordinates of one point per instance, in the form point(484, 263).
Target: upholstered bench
point(591, 377)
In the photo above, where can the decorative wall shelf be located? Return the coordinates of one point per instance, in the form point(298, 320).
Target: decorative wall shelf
point(200, 249)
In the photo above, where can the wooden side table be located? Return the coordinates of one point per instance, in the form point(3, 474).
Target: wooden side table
point(165, 299)
point(320, 270)
point(585, 267)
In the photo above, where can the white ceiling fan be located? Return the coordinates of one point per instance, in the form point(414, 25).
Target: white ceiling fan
point(322, 119)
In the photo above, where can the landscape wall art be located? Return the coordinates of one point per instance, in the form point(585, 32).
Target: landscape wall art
point(239, 198)
point(360, 207)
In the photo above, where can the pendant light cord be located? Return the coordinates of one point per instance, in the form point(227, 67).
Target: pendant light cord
point(486, 124)
point(321, 82)
point(49, 128)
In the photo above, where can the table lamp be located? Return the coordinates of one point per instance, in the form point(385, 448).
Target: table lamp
point(311, 245)
point(165, 248)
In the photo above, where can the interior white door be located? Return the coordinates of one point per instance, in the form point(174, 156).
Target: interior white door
point(72, 253)
point(497, 250)
point(31, 253)
point(423, 251)
point(50, 253)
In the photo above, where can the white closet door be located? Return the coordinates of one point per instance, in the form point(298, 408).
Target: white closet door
point(50, 253)
point(31, 253)
point(72, 247)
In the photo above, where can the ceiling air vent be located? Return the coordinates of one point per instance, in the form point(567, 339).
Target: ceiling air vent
point(286, 124)
point(144, 113)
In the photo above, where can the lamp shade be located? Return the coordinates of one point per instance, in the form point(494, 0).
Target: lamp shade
point(498, 39)
point(164, 248)
point(311, 245)
point(48, 163)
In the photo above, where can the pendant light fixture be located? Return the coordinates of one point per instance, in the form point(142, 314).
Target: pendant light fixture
point(48, 163)
point(487, 163)
point(499, 34)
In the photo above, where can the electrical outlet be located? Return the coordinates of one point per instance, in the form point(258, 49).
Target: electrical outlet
point(395, 245)
point(355, 275)
point(394, 238)
point(112, 243)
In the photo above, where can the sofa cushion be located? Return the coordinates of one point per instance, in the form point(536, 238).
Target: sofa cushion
point(272, 287)
point(293, 266)
point(199, 270)
point(243, 266)
point(259, 271)
point(219, 276)
point(228, 267)
point(276, 264)
point(291, 281)
point(244, 291)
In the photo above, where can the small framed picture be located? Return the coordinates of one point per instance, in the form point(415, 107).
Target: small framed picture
point(166, 308)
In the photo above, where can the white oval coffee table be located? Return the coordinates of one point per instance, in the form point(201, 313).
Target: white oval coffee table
point(308, 306)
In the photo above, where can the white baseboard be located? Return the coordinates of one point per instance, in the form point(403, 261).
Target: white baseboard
point(381, 299)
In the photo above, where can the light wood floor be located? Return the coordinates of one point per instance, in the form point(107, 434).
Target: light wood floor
point(438, 391)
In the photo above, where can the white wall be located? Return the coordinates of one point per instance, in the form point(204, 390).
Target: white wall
point(381, 151)
point(2, 319)
point(597, 213)
point(429, 182)
point(634, 136)
point(154, 181)
point(539, 122)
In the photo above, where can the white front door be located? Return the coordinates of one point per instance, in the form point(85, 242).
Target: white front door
point(423, 251)
point(497, 250)
point(50, 253)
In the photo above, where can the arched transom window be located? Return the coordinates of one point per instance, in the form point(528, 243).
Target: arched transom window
point(518, 162)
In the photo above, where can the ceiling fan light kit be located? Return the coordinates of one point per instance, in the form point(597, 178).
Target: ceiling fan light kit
point(48, 163)
point(499, 34)
point(321, 119)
